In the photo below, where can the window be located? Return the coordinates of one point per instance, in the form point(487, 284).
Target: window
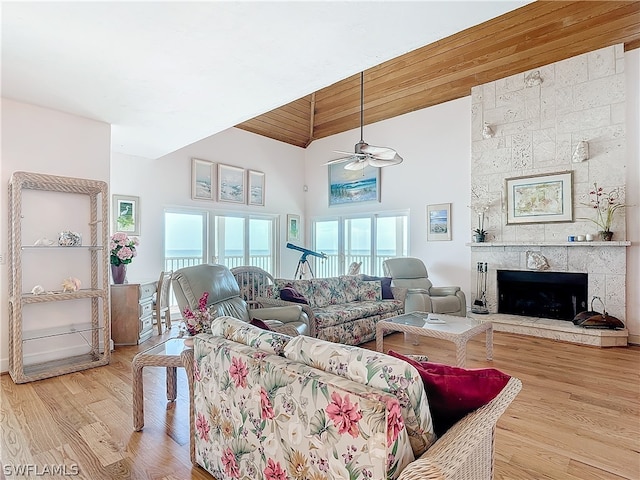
point(234, 239)
point(245, 240)
point(370, 239)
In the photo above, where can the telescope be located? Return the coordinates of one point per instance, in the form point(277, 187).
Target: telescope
point(303, 258)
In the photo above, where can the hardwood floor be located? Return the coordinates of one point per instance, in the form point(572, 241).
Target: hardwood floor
point(577, 416)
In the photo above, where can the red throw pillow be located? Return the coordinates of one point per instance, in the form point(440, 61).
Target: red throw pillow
point(290, 294)
point(256, 322)
point(453, 392)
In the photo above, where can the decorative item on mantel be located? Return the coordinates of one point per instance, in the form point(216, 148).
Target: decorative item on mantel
point(536, 261)
point(479, 205)
point(606, 206)
point(123, 249)
point(479, 234)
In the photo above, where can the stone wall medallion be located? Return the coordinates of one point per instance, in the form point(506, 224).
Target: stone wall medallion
point(536, 261)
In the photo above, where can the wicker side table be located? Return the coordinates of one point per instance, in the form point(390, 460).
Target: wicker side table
point(454, 329)
point(166, 354)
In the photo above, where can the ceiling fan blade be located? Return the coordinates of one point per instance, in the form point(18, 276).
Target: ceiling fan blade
point(350, 157)
point(347, 153)
point(358, 164)
point(383, 153)
point(378, 162)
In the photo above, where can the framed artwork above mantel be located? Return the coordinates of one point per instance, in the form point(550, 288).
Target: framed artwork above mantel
point(542, 198)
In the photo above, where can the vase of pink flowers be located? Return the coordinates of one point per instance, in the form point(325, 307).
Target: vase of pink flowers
point(123, 249)
point(199, 320)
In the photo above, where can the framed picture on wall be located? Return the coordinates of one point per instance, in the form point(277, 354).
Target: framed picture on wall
point(439, 222)
point(353, 186)
point(126, 214)
point(202, 179)
point(293, 228)
point(231, 184)
point(256, 188)
point(540, 198)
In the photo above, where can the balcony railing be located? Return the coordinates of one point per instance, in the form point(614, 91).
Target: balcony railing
point(330, 267)
point(263, 261)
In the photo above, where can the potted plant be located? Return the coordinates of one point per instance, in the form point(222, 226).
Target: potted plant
point(123, 249)
point(606, 205)
point(479, 234)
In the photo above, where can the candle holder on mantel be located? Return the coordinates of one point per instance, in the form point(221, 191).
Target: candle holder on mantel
point(480, 302)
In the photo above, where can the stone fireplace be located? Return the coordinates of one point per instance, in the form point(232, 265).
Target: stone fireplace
point(538, 118)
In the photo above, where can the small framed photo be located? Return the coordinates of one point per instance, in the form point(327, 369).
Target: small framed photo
point(202, 179)
point(540, 198)
point(293, 228)
point(126, 214)
point(231, 184)
point(439, 222)
point(256, 188)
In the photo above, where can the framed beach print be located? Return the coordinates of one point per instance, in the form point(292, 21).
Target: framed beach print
point(126, 214)
point(202, 179)
point(231, 184)
point(540, 198)
point(256, 188)
point(293, 228)
point(439, 222)
point(353, 186)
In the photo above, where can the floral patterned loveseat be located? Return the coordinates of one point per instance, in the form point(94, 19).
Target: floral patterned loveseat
point(342, 309)
point(268, 406)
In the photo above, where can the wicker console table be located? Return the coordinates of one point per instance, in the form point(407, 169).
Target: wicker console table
point(454, 329)
point(166, 354)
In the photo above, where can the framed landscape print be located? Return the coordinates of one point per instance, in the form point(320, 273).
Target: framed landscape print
point(293, 228)
point(126, 214)
point(202, 179)
point(231, 184)
point(256, 188)
point(540, 198)
point(353, 186)
point(439, 222)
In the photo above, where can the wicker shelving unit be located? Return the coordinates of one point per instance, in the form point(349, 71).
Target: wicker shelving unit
point(96, 293)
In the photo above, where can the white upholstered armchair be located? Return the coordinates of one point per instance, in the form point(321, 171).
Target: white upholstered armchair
point(422, 296)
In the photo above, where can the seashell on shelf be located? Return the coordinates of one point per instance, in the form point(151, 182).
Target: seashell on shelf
point(70, 284)
point(43, 242)
point(37, 290)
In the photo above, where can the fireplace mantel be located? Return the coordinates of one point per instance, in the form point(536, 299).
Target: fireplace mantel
point(549, 244)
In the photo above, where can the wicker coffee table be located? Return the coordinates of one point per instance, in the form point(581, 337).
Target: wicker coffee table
point(166, 354)
point(455, 329)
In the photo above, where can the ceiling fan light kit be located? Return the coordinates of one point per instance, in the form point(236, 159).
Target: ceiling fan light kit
point(366, 154)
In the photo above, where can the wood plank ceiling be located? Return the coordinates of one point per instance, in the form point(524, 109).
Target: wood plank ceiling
point(537, 34)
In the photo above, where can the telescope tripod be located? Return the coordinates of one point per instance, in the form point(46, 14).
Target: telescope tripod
point(301, 263)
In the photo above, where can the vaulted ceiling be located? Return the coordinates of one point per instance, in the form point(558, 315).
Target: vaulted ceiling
point(537, 34)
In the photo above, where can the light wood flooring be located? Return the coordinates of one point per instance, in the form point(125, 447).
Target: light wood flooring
point(576, 418)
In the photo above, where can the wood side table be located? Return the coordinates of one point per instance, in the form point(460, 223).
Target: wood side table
point(454, 329)
point(166, 354)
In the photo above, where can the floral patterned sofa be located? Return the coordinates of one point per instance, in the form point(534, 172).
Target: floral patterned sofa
point(268, 406)
point(342, 309)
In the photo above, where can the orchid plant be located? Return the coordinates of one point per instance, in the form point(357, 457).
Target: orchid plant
point(606, 205)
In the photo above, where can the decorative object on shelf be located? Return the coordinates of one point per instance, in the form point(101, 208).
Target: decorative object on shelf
point(202, 175)
point(69, 239)
point(542, 198)
point(71, 284)
point(255, 180)
point(588, 237)
point(123, 249)
point(479, 233)
point(364, 154)
point(439, 222)
point(126, 214)
point(480, 302)
point(536, 261)
point(487, 131)
point(532, 79)
point(198, 321)
point(37, 290)
point(119, 274)
point(606, 205)
point(581, 153)
point(231, 184)
point(480, 202)
point(43, 242)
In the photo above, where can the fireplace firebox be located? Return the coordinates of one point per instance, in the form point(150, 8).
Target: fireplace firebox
point(556, 295)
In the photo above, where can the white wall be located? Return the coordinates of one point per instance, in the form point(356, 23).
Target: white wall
point(436, 146)
point(36, 139)
point(166, 183)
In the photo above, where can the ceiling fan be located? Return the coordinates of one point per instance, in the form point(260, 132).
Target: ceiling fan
point(366, 154)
